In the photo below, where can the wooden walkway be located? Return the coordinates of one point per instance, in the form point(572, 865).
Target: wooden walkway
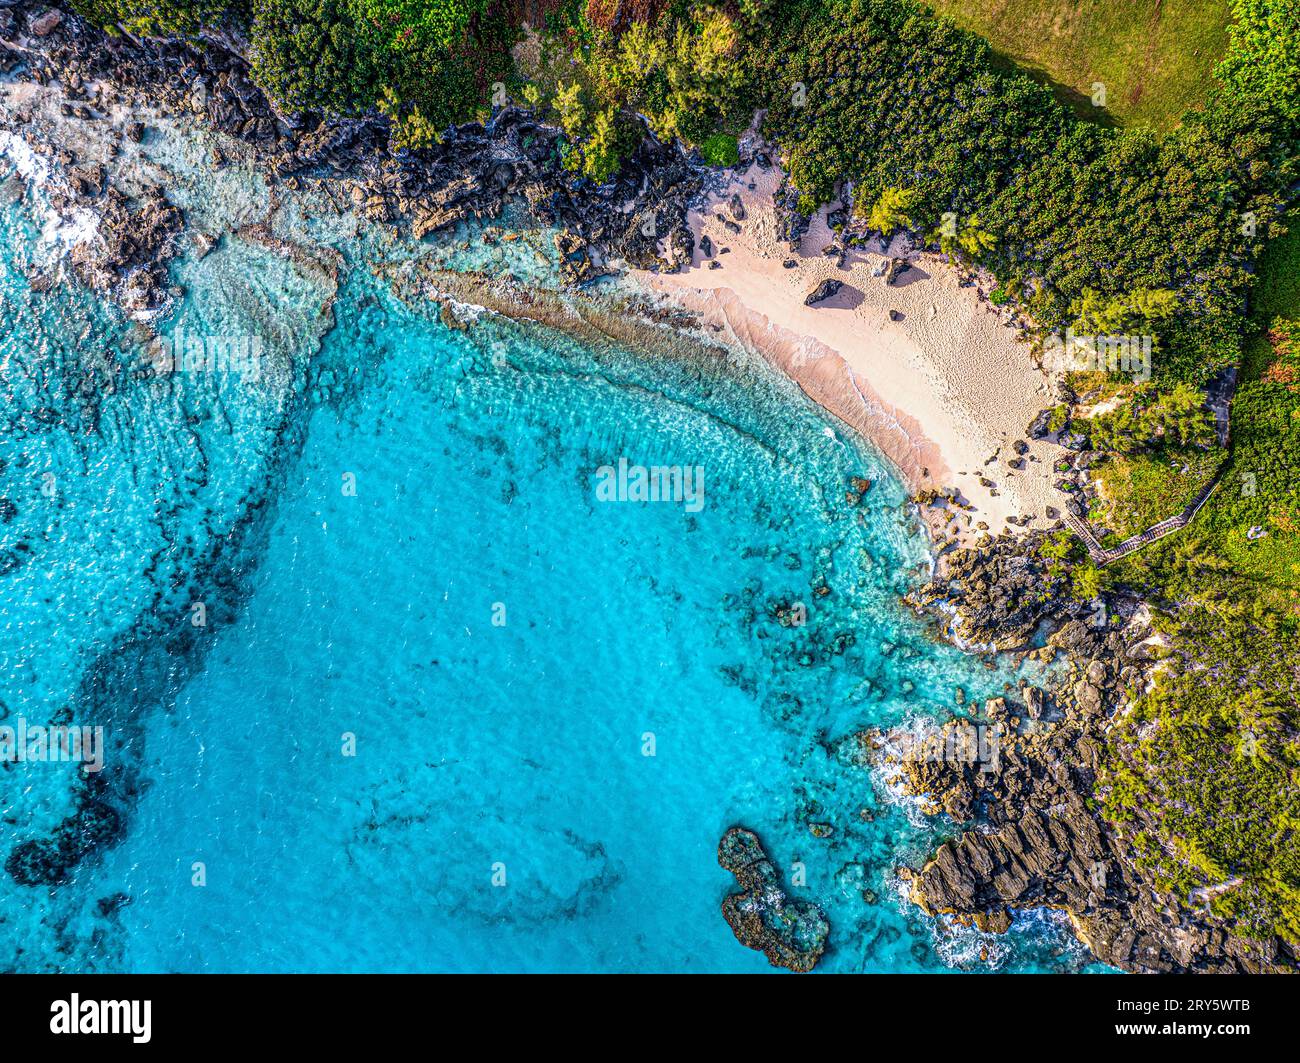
point(1219, 396)
point(1103, 555)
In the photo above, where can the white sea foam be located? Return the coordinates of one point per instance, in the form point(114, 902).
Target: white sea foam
point(31, 167)
point(62, 232)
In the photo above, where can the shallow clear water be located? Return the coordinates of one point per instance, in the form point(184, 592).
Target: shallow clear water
point(412, 730)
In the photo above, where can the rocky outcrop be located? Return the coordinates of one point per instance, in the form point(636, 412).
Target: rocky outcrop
point(792, 223)
point(1001, 591)
point(128, 258)
point(637, 217)
point(1034, 836)
point(790, 933)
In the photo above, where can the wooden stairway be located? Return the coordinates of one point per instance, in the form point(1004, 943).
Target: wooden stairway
point(1103, 555)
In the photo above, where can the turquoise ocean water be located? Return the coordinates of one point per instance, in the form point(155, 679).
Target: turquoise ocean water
point(379, 669)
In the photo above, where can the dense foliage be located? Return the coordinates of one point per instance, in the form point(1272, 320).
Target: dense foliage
point(1204, 776)
point(1151, 417)
point(682, 72)
point(432, 63)
point(1263, 62)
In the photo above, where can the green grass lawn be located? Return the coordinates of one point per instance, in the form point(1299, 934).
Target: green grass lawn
point(1155, 57)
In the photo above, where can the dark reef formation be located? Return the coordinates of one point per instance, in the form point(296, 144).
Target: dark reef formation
point(790, 933)
point(93, 823)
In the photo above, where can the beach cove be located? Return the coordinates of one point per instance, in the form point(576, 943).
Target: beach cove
point(352, 518)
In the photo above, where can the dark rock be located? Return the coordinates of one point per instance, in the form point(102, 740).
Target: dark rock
point(897, 267)
point(1035, 702)
point(681, 245)
point(824, 290)
point(1038, 426)
point(43, 23)
point(790, 933)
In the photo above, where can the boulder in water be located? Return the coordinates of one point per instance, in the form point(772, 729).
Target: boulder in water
point(790, 933)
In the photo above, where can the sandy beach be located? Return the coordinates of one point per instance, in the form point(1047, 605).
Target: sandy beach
point(925, 368)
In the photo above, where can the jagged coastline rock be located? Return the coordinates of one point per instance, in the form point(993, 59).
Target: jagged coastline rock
point(1025, 789)
point(1001, 591)
point(638, 216)
point(790, 933)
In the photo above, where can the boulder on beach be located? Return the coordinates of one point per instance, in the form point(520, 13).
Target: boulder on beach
point(824, 290)
point(897, 267)
point(1040, 425)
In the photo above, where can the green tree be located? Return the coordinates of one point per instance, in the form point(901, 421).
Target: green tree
point(1085, 582)
point(1263, 59)
point(569, 109)
point(889, 211)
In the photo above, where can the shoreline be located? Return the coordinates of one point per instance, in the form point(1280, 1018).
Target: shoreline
point(926, 369)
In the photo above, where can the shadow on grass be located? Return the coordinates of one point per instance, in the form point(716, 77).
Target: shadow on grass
point(1078, 102)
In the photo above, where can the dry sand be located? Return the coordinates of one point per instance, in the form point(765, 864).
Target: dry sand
point(940, 391)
